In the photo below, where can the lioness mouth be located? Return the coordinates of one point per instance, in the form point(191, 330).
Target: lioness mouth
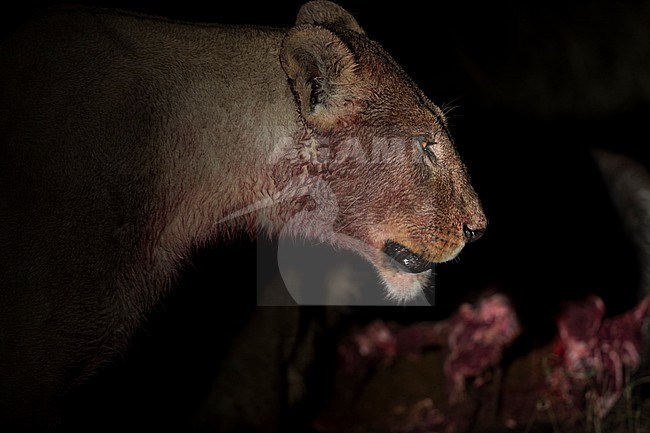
point(406, 259)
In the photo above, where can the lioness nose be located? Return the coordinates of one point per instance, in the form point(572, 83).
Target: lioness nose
point(472, 234)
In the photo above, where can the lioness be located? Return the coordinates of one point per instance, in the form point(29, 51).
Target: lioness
point(128, 140)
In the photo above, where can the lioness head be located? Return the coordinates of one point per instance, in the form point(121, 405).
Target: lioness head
point(379, 147)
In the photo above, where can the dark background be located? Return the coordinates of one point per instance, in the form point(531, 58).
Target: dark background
point(530, 88)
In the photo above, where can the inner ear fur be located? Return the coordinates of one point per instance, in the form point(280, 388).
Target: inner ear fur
point(327, 14)
point(322, 74)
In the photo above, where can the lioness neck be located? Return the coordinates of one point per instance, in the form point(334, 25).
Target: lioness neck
point(220, 133)
point(189, 117)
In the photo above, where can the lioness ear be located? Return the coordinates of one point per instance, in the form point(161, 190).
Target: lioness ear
point(327, 14)
point(322, 76)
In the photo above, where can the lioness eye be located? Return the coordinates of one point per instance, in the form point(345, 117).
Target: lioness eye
point(427, 146)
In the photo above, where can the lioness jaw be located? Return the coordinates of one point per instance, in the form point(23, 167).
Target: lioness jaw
point(128, 141)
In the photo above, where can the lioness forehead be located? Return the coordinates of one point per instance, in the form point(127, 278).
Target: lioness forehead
point(392, 88)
